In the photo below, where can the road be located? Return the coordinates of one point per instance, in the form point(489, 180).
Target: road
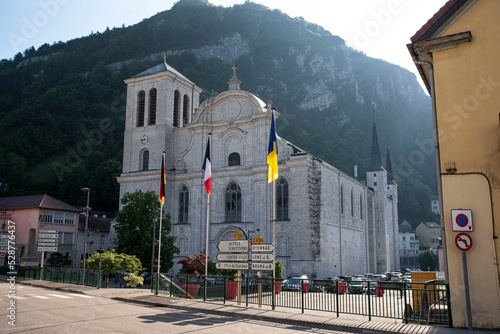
point(39, 310)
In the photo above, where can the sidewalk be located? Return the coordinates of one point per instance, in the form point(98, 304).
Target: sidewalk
point(313, 319)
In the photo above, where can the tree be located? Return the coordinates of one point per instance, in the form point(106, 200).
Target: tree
point(135, 229)
point(113, 262)
point(427, 260)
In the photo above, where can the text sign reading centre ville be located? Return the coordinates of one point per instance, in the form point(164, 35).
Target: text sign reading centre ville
point(233, 246)
point(461, 220)
point(232, 257)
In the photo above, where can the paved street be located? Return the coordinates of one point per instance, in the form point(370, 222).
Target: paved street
point(40, 310)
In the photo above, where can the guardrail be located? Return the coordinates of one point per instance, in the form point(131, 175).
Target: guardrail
point(426, 303)
point(61, 275)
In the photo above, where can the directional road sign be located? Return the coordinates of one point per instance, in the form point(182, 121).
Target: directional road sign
point(263, 248)
point(232, 265)
point(47, 249)
point(463, 241)
point(47, 231)
point(262, 265)
point(232, 257)
point(233, 246)
point(262, 257)
point(461, 220)
point(47, 244)
point(48, 236)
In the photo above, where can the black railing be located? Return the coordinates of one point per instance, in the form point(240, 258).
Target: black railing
point(408, 302)
point(61, 275)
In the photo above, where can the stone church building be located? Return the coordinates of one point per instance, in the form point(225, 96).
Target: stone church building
point(327, 223)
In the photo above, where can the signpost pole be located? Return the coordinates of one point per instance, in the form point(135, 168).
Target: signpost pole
point(467, 296)
point(41, 266)
point(238, 300)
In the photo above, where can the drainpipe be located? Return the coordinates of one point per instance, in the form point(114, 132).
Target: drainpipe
point(438, 159)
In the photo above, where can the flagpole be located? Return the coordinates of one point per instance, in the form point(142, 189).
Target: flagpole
point(206, 246)
point(159, 250)
point(162, 201)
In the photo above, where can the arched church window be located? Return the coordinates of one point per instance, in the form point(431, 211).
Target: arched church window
point(233, 202)
point(177, 101)
point(141, 101)
point(282, 199)
point(342, 199)
point(145, 160)
point(185, 110)
point(184, 205)
point(361, 206)
point(233, 159)
point(352, 202)
point(152, 106)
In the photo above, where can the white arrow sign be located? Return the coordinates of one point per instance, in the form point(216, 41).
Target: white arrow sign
point(48, 236)
point(47, 244)
point(47, 231)
point(263, 248)
point(262, 257)
point(233, 246)
point(232, 257)
point(232, 265)
point(262, 265)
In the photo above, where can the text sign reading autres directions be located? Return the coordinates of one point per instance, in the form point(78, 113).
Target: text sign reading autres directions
point(263, 248)
point(233, 246)
point(262, 266)
point(232, 257)
point(232, 265)
point(262, 257)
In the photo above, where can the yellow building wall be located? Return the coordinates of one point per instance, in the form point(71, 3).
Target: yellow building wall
point(467, 79)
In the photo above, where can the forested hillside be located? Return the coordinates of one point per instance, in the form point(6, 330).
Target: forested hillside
point(63, 105)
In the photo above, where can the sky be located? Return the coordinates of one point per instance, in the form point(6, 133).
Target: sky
point(379, 28)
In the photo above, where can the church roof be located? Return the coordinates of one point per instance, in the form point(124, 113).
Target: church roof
point(163, 67)
point(375, 160)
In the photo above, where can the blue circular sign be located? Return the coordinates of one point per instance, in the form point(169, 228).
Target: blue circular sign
point(462, 220)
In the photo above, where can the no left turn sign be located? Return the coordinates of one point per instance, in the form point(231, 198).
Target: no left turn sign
point(2, 256)
point(463, 241)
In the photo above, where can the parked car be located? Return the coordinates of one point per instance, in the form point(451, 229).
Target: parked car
point(294, 283)
point(371, 287)
point(356, 286)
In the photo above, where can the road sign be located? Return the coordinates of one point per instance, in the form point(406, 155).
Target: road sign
point(461, 220)
point(48, 236)
point(232, 265)
point(47, 231)
point(262, 265)
point(47, 249)
point(238, 235)
point(232, 257)
point(233, 246)
point(262, 257)
point(463, 241)
point(47, 244)
point(3, 255)
point(263, 248)
point(258, 240)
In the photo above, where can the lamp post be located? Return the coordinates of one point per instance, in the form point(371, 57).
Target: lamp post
point(87, 209)
point(100, 251)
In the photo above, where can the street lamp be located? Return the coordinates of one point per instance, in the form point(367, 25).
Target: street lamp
point(87, 209)
point(100, 251)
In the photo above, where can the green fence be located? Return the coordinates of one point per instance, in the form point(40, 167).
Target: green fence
point(426, 303)
point(61, 275)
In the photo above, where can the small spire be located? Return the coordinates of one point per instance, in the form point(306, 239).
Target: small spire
point(269, 103)
point(376, 160)
point(388, 165)
point(234, 83)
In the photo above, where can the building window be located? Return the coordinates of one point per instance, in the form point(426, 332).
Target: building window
point(281, 199)
point(145, 160)
point(141, 101)
point(375, 184)
point(177, 98)
point(184, 205)
point(342, 199)
point(234, 159)
point(65, 238)
point(361, 206)
point(352, 202)
point(103, 239)
point(53, 217)
point(233, 202)
point(185, 110)
point(152, 106)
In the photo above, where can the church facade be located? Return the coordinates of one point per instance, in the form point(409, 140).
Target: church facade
point(327, 223)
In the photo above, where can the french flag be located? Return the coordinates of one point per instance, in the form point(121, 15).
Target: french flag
point(207, 167)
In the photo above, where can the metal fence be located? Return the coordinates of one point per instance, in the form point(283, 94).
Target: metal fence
point(61, 275)
point(426, 303)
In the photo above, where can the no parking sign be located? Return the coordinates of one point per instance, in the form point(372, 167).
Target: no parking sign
point(461, 220)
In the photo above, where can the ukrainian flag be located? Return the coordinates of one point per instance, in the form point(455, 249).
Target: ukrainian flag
point(272, 153)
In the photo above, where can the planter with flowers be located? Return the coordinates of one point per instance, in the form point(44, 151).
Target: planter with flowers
point(192, 268)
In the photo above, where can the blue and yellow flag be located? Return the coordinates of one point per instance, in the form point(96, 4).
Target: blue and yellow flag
point(272, 153)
